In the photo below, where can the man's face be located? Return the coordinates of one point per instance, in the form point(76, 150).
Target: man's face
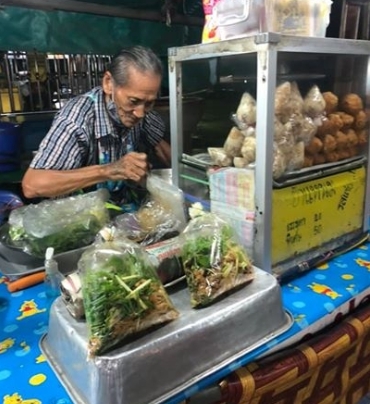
point(136, 98)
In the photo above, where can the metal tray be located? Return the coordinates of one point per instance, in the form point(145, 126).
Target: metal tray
point(67, 263)
point(173, 357)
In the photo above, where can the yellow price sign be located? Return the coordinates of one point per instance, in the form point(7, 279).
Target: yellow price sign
point(307, 215)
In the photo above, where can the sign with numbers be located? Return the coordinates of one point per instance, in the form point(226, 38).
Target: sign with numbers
point(312, 213)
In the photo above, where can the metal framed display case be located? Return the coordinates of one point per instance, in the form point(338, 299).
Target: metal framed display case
point(315, 210)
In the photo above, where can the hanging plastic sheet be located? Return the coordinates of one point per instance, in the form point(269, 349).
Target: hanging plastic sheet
point(68, 32)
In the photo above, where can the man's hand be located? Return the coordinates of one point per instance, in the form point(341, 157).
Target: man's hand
point(51, 183)
point(132, 166)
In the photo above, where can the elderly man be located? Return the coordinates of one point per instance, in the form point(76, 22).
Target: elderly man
point(94, 138)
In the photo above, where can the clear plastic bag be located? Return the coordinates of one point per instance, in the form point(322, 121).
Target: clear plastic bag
point(122, 293)
point(314, 103)
point(246, 112)
point(214, 262)
point(64, 224)
point(16, 229)
point(233, 142)
point(219, 157)
point(161, 215)
point(150, 224)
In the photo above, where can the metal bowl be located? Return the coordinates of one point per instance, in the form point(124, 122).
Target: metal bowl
point(15, 253)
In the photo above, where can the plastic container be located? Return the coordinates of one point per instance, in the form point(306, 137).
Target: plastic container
point(237, 18)
point(228, 19)
point(52, 275)
point(302, 18)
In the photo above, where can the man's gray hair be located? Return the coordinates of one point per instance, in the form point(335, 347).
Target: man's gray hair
point(140, 58)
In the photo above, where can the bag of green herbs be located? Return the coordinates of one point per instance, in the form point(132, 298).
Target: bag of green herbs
point(214, 262)
point(64, 224)
point(122, 294)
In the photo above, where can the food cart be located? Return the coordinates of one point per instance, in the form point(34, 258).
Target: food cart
point(306, 212)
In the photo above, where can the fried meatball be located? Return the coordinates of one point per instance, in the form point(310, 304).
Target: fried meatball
point(331, 102)
point(352, 104)
point(315, 146)
point(329, 143)
point(347, 119)
point(330, 125)
point(360, 120)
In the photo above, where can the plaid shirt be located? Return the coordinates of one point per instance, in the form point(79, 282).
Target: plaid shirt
point(72, 140)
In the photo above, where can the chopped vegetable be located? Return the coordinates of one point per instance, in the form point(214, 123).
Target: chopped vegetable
point(70, 237)
point(122, 294)
point(214, 263)
point(64, 224)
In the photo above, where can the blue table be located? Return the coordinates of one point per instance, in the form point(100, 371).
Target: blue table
point(314, 300)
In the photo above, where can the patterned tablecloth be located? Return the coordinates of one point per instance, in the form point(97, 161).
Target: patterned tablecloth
point(332, 367)
point(315, 300)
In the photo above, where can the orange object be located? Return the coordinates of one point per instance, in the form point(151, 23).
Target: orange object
point(26, 281)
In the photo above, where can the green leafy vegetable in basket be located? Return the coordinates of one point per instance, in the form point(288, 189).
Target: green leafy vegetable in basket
point(122, 294)
point(214, 263)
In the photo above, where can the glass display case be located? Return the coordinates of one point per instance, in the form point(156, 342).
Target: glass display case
point(318, 202)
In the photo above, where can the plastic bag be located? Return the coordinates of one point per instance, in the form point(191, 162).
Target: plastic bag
point(214, 262)
point(64, 224)
point(233, 142)
point(16, 229)
point(122, 293)
point(150, 224)
point(219, 157)
point(246, 112)
point(279, 163)
point(314, 103)
point(248, 150)
point(160, 217)
point(8, 202)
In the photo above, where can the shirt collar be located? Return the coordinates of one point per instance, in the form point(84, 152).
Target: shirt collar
point(103, 124)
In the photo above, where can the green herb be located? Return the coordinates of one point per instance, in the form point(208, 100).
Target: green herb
point(122, 296)
point(75, 235)
point(213, 265)
point(16, 233)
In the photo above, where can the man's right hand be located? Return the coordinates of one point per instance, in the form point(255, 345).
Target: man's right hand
point(51, 183)
point(132, 166)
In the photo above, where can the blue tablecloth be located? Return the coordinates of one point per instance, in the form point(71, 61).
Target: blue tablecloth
point(314, 300)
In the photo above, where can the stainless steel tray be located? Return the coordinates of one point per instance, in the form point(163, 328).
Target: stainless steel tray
point(164, 362)
point(67, 263)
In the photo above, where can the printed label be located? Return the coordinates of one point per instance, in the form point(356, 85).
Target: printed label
point(310, 214)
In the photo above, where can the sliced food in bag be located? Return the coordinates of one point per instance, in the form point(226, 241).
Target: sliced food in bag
point(214, 262)
point(122, 294)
